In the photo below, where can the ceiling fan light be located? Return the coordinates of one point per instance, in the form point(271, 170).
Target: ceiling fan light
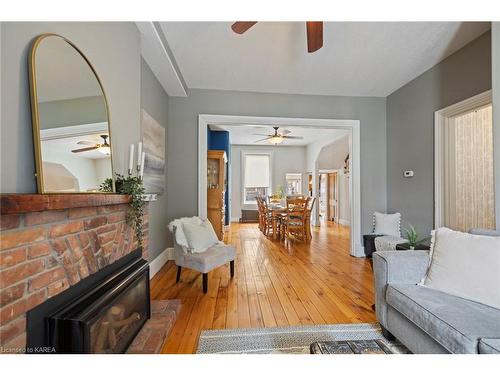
point(104, 150)
point(275, 140)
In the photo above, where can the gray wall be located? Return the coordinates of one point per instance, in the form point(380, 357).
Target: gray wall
point(59, 113)
point(284, 159)
point(114, 50)
point(154, 100)
point(495, 43)
point(410, 127)
point(333, 156)
point(182, 139)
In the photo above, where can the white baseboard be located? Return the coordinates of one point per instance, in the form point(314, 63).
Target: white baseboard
point(344, 222)
point(157, 263)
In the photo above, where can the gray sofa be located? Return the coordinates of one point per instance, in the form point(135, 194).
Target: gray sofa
point(427, 320)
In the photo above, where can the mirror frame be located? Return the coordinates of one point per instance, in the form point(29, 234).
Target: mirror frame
point(35, 120)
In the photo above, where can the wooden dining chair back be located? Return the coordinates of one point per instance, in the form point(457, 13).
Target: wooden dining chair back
point(310, 206)
point(260, 212)
point(296, 215)
point(265, 217)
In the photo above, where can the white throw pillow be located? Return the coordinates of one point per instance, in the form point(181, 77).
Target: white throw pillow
point(180, 238)
point(387, 224)
point(465, 265)
point(200, 236)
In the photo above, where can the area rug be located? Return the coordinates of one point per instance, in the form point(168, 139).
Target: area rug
point(288, 340)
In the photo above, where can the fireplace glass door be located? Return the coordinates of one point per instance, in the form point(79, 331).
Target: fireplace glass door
point(119, 322)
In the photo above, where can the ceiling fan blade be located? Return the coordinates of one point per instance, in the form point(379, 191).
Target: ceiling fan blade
point(89, 143)
point(314, 36)
point(291, 137)
point(264, 135)
point(241, 27)
point(263, 139)
point(85, 149)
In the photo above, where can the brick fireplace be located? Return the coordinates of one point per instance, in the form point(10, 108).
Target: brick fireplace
point(49, 243)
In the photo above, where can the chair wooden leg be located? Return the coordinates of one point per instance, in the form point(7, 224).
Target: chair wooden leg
point(179, 268)
point(205, 283)
point(231, 268)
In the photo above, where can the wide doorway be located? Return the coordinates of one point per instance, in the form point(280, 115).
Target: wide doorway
point(293, 125)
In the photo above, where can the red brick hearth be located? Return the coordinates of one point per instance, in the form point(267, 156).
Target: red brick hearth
point(50, 242)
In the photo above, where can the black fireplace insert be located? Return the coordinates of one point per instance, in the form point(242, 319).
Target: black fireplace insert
point(101, 314)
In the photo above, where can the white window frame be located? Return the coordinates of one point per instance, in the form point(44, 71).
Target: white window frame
point(244, 154)
point(300, 178)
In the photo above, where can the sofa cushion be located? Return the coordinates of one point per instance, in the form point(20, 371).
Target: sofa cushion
point(212, 258)
point(489, 346)
point(465, 265)
point(455, 323)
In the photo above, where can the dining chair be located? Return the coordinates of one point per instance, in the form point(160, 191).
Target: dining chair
point(310, 206)
point(267, 217)
point(261, 215)
point(296, 216)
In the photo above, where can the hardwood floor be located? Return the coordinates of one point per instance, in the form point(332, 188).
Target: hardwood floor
point(274, 285)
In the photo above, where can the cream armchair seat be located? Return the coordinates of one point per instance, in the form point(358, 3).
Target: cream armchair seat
point(204, 262)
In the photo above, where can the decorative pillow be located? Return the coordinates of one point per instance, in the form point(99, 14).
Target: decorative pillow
point(180, 237)
point(387, 224)
point(465, 265)
point(200, 236)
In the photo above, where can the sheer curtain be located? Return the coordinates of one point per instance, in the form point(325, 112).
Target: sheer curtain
point(469, 183)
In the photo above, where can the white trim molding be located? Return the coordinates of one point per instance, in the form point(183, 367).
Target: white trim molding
point(73, 131)
point(157, 263)
point(441, 119)
point(344, 222)
point(355, 181)
point(157, 54)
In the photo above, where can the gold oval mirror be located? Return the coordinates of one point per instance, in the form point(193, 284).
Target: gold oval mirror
point(70, 119)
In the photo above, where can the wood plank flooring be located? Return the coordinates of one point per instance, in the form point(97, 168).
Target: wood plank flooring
point(275, 284)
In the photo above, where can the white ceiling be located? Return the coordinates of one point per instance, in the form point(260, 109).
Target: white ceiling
point(357, 59)
point(245, 134)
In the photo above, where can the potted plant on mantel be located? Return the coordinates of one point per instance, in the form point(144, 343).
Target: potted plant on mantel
point(133, 186)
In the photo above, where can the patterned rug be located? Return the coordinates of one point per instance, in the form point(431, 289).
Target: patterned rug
point(288, 340)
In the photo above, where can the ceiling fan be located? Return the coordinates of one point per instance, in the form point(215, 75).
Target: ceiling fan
point(277, 138)
point(314, 33)
point(104, 147)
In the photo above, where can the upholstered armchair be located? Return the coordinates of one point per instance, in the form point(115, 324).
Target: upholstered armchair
point(204, 262)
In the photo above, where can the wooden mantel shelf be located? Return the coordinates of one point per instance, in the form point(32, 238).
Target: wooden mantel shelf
point(23, 203)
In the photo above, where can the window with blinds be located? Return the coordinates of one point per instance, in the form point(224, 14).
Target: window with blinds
point(257, 179)
point(469, 200)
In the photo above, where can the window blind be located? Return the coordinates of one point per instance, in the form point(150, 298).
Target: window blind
point(257, 172)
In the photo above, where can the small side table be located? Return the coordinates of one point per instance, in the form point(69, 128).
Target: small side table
point(369, 244)
point(421, 245)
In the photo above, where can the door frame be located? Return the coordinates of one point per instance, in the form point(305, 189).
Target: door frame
point(355, 150)
point(441, 120)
